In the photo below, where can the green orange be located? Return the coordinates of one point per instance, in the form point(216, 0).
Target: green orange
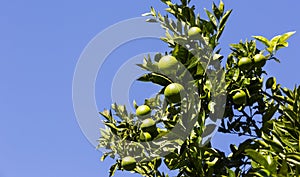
point(143, 110)
point(245, 63)
point(259, 60)
point(148, 125)
point(239, 97)
point(173, 92)
point(194, 31)
point(167, 64)
point(128, 163)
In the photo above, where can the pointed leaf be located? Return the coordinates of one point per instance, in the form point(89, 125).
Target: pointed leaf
point(257, 157)
point(221, 7)
point(212, 18)
point(112, 170)
point(224, 19)
point(155, 78)
point(263, 40)
point(286, 36)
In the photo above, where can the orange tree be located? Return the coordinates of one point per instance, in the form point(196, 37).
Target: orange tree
point(170, 128)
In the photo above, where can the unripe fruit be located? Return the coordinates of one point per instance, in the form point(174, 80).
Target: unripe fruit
point(143, 110)
point(245, 63)
point(239, 97)
point(173, 92)
point(128, 163)
point(145, 136)
point(148, 125)
point(167, 64)
point(194, 32)
point(259, 60)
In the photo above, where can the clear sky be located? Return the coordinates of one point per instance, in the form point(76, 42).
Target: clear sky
point(41, 42)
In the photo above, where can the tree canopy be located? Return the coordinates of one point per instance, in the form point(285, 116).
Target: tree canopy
point(171, 127)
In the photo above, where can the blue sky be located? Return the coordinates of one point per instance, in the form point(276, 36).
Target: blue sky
point(41, 42)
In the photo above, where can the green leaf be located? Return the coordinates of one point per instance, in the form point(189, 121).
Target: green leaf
point(151, 20)
point(216, 11)
point(271, 83)
point(180, 53)
point(200, 69)
point(105, 155)
point(263, 40)
point(112, 126)
point(220, 31)
point(263, 173)
point(212, 18)
point(107, 115)
point(288, 92)
point(279, 41)
point(257, 157)
point(284, 168)
point(286, 36)
point(135, 104)
point(274, 145)
point(231, 173)
point(113, 169)
point(153, 11)
point(186, 13)
point(155, 78)
point(270, 112)
point(172, 161)
point(224, 19)
point(221, 7)
point(293, 158)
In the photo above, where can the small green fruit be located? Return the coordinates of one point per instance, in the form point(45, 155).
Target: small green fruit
point(239, 97)
point(194, 32)
point(173, 92)
point(128, 163)
point(148, 125)
point(168, 64)
point(143, 110)
point(245, 63)
point(259, 60)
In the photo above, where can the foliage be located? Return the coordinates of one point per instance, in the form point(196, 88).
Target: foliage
point(269, 116)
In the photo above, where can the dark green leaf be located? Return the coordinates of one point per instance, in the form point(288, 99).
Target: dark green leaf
point(113, 169)
point(224, 19)
point(216, 11)
point(155, 78)
point(270, 112)
point(257, 157)
point(212, 18)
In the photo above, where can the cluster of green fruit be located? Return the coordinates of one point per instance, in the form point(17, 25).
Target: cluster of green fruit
point(149, 130)
point(168, 65)
point(246, 63)
point(148, 125)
